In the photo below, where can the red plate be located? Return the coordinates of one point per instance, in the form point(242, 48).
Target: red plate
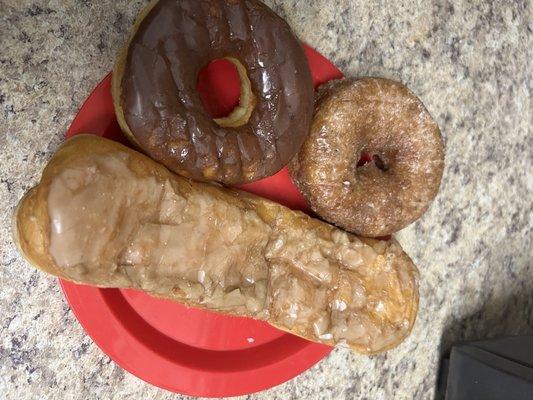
point(184, 350)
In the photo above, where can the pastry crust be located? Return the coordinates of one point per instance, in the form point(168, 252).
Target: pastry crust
point(108, 216)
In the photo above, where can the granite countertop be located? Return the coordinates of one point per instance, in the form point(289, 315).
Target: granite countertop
point(470, 62)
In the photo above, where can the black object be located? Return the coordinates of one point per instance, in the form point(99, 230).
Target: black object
point(497, 369)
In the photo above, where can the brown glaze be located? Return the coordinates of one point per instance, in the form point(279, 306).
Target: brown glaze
point(381, 118)
point(157, 101)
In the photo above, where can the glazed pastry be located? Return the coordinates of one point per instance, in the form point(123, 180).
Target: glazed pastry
point(159, 108)
point(373, 161)
point(108, 216)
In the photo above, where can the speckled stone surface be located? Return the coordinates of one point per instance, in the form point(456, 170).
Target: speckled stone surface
point(469, 61)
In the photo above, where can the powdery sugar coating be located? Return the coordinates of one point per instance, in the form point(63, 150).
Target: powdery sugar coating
point(381, 118)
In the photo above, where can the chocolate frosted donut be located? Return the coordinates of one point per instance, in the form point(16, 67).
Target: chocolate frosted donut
point(159, 108)
point(382, 121)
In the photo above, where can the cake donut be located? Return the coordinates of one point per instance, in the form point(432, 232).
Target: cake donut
point(158, 107)
point(374, 158)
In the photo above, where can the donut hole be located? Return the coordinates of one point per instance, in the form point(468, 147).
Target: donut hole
point(219, 86)
point(367, 158)
point(364, 159)
point(380, 163)
point(225, 92)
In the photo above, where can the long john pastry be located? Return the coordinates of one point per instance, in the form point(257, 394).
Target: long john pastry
point(108, 216)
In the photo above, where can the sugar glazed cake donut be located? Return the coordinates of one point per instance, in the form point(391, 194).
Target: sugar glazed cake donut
point(374, 158)
point(159, 108)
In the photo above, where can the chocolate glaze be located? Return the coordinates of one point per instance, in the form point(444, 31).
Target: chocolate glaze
point(163, 109)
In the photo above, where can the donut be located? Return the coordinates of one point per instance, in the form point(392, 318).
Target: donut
point(213, 248)
point(374, 158)
point(160, 110)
